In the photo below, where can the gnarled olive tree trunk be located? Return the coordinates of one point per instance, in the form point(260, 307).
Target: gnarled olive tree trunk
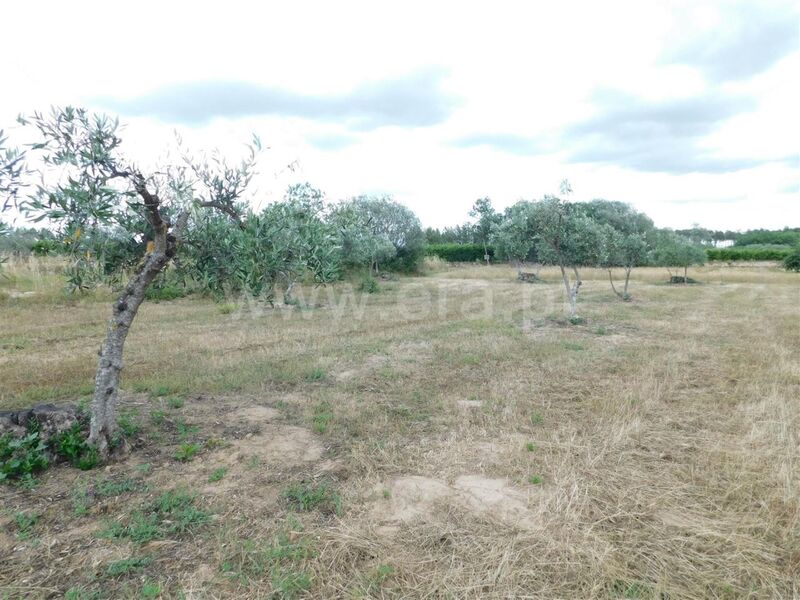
point(106, 383)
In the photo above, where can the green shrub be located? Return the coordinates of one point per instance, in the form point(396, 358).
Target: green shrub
point(72, 445)
point(792, 260)
point(166, 291)
point(21, 457)
point(369, 285)
point(186, 452)
point(217, 474)
point(458, 252)
point(45, 247)
point(748, 253)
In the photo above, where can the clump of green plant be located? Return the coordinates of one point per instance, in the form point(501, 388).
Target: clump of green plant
point(308, 496)
point(21, 457)
point(167, 291)
point(369, 285)
point(83, 495)
point(537, 418)
point(157, 391)
point(128, 425)
point(72, 445)
point(323, 415)
point(316, 374)
point(175, 402)
point(217, 474)
point(25, 524)
point(157, 416)
point(116, 487)
point(372, 581)
point(530, 446)
point(185, 429)
point(227, 308)
point(281, 558)
point(172, 513)
point(150, 590)
point(79, 593)
point(535, 479)
point(187, 451)
point(127, 566)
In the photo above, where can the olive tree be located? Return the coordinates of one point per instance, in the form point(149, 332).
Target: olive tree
point(673, 250)
point(486, 218)
point(88, 183)
point(622, 238)
point(390, 220)
point(360, 245)
point(514, 238)
point(567, 238)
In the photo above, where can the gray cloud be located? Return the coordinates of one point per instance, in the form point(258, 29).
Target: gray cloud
point(505, 142)
point(660, 136)
point(752, 40)
point(415, 100)
point(664, 136)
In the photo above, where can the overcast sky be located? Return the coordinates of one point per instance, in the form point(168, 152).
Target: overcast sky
point(687, 110)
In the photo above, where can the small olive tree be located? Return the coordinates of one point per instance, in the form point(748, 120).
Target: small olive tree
point(673, 250)
point(623, 238)
point(486, 218)
point(360, 244)
point(390, 221)
point(87, 183)
point(567, 238)
point(514, 238)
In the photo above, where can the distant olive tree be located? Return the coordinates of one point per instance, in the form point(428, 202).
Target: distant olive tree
point(88, 184)
point(622, 238)
point(567, 238)
point(675, 251)
point(486, 218)
point(390, 220)
point(360, 244)
point(514, 238)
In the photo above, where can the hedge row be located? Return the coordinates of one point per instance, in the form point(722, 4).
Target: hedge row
point(746, 253)
point(457, 252)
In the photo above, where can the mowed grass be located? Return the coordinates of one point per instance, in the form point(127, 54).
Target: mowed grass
point(653, 450)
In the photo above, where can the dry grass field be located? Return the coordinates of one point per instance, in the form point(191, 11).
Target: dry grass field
point(448, 437)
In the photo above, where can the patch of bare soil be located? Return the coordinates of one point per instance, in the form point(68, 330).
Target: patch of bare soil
point(410, 499)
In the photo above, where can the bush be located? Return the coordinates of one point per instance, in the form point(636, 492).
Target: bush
point(748, 253)
point(458, 252)
point(792, 260)
point(72, 445)
point(45, 247)
point(407, 260)
point(21, 457)
point(369, 285)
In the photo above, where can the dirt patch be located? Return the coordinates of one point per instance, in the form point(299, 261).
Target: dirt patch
point(414, 498)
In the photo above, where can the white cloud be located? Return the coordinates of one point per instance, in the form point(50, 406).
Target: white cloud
point(523, 73)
